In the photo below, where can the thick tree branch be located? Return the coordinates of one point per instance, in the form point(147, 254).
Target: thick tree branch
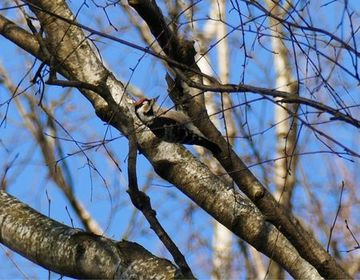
point(20, 37)
point(172, 45)
point(72, 252)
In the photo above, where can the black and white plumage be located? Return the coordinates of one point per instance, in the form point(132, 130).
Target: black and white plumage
point(171, 126)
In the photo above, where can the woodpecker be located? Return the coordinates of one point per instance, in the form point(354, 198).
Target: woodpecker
point(171, 126)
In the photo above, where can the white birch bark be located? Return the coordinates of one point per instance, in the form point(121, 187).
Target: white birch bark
point(285, 128)
point(222, 238)
point(216, 30)
point(284, 169)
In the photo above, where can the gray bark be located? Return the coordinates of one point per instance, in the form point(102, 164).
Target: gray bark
point(72, 252)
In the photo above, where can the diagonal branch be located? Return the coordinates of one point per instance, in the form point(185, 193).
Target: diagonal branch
point(142, 202)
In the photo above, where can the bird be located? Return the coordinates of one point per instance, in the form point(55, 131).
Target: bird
point(171, 125)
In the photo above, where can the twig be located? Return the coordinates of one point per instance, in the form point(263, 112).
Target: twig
point(336, 216)
point(336, 114)
point(353, 236)
point(7, 167)
point(75, 84)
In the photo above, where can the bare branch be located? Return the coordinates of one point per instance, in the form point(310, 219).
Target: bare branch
point(142, 202)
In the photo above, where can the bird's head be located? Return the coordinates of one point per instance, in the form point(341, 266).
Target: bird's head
point(144, 108)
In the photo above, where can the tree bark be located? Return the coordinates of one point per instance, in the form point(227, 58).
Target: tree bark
point(286, 128)
point(72, 252)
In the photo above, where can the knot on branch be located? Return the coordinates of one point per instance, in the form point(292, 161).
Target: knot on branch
point(140, 200)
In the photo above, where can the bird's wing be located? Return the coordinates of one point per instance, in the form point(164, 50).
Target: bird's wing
point(180, 117)
point(167, 128)
point(177, 116)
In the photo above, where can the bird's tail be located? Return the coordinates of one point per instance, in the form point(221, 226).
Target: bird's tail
point(214, 148)
point(191, 138)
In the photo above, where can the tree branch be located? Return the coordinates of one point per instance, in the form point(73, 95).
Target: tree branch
point(142, 202)
point(72, 252)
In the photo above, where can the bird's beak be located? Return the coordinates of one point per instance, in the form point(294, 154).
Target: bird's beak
point(154, 100)
point(138, 102)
